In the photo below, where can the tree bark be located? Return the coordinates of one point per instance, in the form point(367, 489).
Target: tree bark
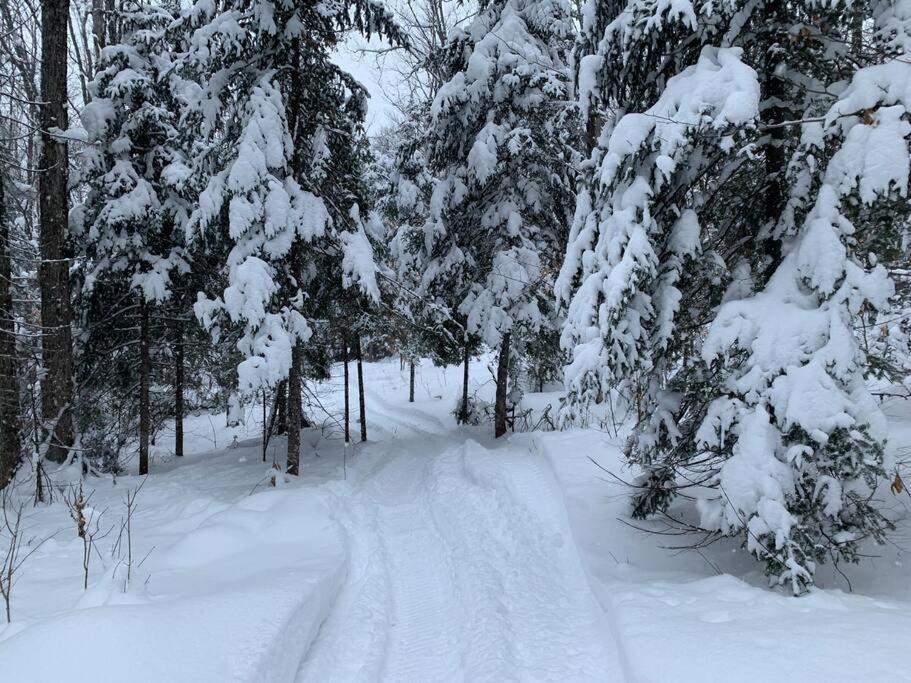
point(10, 439)
point(178, 391)
point(99, 27)
point(347, 409)
point(502, 375)
point(857, 30)
point(775, 110)
point(281, 408)
point(294, 409)
point(360, 388)
point(411, 382)
point(56, 347)
point(145, 367)
point(463, 414)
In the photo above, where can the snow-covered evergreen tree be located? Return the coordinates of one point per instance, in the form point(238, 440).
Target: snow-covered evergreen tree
point(274, 111)
point(430, 320)
point(130, 226)
point(501, 148)
point(715, 271)
point(136, 167)
point(267, 96)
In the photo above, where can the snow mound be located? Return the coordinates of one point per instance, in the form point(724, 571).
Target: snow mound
point(240, 598)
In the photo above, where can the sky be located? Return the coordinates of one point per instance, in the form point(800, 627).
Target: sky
point(379, 83)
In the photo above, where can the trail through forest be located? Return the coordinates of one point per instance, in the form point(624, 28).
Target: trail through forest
point(462, 567)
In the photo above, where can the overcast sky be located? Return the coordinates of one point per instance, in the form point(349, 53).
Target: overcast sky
point(378, 84)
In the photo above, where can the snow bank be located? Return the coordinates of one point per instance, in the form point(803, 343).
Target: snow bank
point(706, 615)
point(238, 599)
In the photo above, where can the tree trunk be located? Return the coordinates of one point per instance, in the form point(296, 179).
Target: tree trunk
point(857, 30)
point(281, 408)
point(411, 382)
point(502, 375)
point(347, 408)
point(360, 387)
point(145, 367)
point(56, 347)
point(774, 111)
point(10, 440)
point(463, 414)
point(294, 409)
point(99, 27)
point(178, 391)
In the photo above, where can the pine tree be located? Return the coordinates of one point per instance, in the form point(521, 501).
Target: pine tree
point(729, 180)
point(425, 321)
point(132, 220)
point(268, 100)
point(501, 148)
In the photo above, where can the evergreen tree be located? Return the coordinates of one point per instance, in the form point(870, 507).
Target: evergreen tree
point(501, 148)
point(427, 321)
point(740, 179)
point(268, 101)
point(131, 222)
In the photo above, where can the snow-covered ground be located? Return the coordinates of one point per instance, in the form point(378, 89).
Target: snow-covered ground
point(431, 553)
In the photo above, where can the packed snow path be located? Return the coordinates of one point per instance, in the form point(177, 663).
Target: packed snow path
point(462, 567)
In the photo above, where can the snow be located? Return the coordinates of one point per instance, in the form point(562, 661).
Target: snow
point(430, 553)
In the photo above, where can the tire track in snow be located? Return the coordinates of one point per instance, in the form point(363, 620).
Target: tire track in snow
point(406, 416)
point(470, 576)
point(425, 634)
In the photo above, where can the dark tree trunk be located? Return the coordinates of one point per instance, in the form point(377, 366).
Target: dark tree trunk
point(463, 414)
point(145, 368)
point(56, 347)
point(10, 440)
point(347, 407)
point(269, 420)
point(592, 131)
point(411, 382)
point(281, 408)
point(857, 29)
point(502, 375)
point(99, 27)
point(267, 424)
point(360, 387)
point(774, 111)
point(294, 409)
point(178, 391)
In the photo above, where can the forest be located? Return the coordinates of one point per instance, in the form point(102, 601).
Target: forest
point(598, 337)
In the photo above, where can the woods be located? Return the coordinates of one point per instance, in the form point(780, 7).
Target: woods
point(693, 219)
